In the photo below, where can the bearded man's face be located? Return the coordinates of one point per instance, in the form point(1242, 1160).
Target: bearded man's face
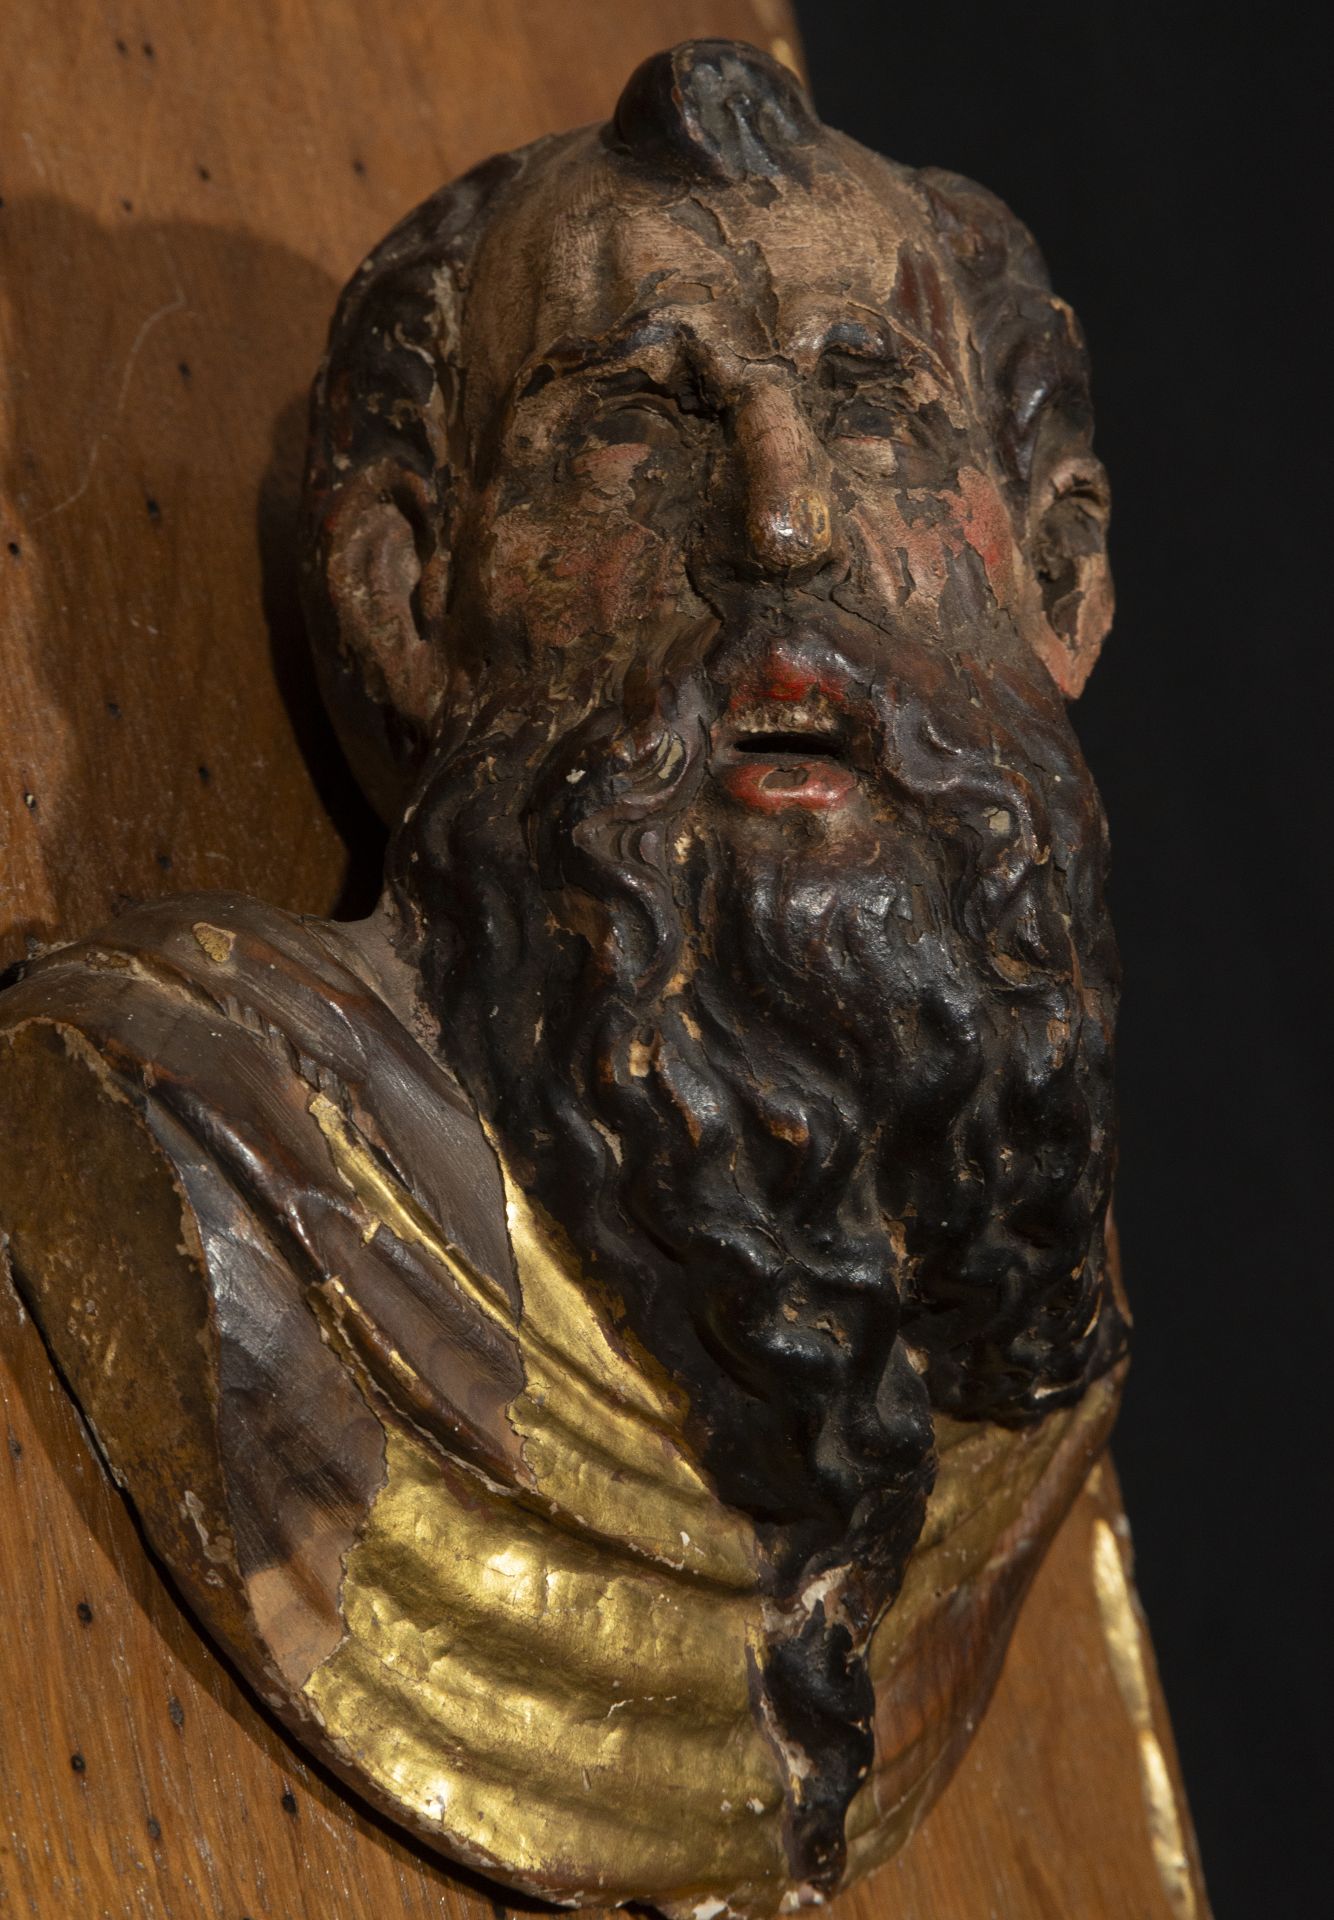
point(705, 413)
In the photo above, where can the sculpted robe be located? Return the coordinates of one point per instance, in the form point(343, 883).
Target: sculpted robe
point(446, 1506)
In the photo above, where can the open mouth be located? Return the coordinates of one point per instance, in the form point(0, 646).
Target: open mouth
point(776, 742)
point(796, 729)
point(789, 759)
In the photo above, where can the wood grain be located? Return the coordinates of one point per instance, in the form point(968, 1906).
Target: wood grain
point(184, 188)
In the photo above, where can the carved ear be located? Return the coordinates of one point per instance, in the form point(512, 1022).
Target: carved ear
point(377, 499)
point(1069, 507)
point(386, 574)
point(1032, 359)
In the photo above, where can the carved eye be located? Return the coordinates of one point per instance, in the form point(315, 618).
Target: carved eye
point(866, 419)
point(645, 417)
point(641, 418)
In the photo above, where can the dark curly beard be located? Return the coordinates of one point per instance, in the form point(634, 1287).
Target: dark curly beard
point(827, 1115)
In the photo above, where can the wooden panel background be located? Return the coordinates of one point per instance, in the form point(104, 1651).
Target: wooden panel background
point(183, 188)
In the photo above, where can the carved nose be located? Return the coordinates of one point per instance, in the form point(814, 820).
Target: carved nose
point(785, 474)
point(790, 533)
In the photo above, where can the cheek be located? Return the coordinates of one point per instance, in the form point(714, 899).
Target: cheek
point(580, 564)
point(983, 521)
point(607, 477)
point(911, 538)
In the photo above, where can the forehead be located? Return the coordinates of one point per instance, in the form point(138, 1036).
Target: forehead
point(593, 243)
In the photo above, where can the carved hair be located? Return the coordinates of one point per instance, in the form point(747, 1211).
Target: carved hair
point(965, 1075)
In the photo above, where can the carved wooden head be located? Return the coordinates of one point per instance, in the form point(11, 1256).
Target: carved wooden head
point(712, 357)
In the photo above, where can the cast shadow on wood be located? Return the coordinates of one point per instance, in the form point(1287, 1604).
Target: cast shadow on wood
point(157, 673)
point(357, 824)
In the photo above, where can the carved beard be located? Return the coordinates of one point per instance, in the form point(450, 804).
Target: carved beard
point(828, 1116)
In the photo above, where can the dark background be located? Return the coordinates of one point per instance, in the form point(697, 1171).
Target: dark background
point(1166, 159)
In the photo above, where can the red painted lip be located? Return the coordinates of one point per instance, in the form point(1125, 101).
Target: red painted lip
point(783, 677)
point(772, 785)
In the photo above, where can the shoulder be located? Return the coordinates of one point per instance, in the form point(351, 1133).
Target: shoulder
point(234, 1018)
point(188, 1103)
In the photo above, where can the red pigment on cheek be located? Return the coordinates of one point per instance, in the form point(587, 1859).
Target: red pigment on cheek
point(563, 590)
point(889, 542)
point(770, 789)
point(984, 523)
point(610, 471)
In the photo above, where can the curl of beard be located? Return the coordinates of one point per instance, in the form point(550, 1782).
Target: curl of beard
point(831, 1124)
point(793, 1106)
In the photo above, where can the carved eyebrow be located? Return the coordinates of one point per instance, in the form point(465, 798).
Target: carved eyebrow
point(862, 342)
point(878, 349)
point(639, 336)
